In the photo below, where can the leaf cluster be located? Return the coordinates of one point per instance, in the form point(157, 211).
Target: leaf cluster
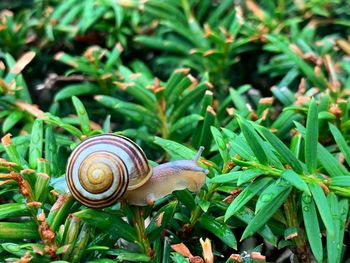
point(262, 85)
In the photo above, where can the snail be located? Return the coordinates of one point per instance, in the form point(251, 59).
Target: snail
point(106, 168)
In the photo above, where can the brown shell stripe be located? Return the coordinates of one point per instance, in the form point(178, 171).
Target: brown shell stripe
point(122, 186)
point(134, 152)
point(141, 161)
point(132, 149)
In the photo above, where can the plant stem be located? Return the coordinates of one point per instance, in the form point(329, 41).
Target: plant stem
point(163, 119)
point(140, 230)
point(274, 172)
point(292, 221)
point(197, 212)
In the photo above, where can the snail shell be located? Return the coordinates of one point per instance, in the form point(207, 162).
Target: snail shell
point(103, 167)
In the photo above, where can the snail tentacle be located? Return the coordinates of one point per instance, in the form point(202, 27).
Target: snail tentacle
point(198, 154)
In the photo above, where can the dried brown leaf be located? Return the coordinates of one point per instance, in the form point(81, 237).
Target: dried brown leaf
point(159, 219)
point(26, 258)
point(258, 257)
point(182, 250)
point(6, 140)
point(22, 62)
point(31, 109)
point(207, 250)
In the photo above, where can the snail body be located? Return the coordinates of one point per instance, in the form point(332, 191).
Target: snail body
point(108, 167)
point(166, 178)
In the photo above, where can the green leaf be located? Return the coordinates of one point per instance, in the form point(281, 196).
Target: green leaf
point(185, 197)
point(176, 77)
point(206, 137)
point(81, 243)
point(311, 137)
point(99, 260)
point(207, 101)
point(36, 143)
point(165, 10)
point(274, 160)
point(270, 193)
point(43, 166)
point(284, 123)
point(176, 150)
point(130, 110)
point(71, 14)
point(125, 255)
point(323, 207)
point(41, 187)
point(343, 146)
point(113, 224)
point(343, 210)
point(14, 249)
point(13, 210)
point(325, 115)
point(342, 181)
point(90, 15)
point(82, 115)
point(221, 144)
point(281, 44)
point(280, 93)
point(160, 220)
point(333, 242)
point(51, 150)
point(137, 88)
point(62, 208)
point(282, 149)
point(296, 145)
point(295, 180)
point(30, 176)
point(139, 66)
point(23, 230)
point(238, 145)
point(248, 175)
point(247, 215)
point(239, 102)
point(107, 124)
point(247, 194)
point(327, 160)
point(189, 98)
point(76, 90)
point(13, 154)
point(70, 235)
point(177, 258)
point(166, 251)
point(253, 140)
point(114, 55)
point(330, 163)
point(264, 215)
point(312, 227)
point(51, 119)
point(219, 229)
point(230, 177)
point(161, 44)
point(184, 122)
point(11, 120)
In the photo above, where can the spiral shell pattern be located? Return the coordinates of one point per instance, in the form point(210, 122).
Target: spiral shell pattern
point(103, 167)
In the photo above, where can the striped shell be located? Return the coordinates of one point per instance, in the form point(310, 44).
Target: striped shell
point(103, 167)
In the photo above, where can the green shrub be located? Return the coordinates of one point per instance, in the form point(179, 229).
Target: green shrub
point(262, 85)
